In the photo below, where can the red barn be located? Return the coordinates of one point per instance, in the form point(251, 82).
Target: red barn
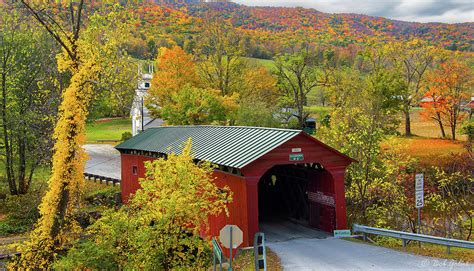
point(272, 173)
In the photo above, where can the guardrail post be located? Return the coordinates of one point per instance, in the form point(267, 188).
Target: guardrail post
point(448, 250)
point(259, 252)
point(404, 243)
point(364, 236)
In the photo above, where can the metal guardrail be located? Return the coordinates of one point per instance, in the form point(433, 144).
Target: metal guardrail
point(101, 179)
point(405, 236)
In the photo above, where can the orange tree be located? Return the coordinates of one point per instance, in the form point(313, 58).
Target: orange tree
point(435, 106)
point(449, 87)
point(174, 70)
point(177, 95)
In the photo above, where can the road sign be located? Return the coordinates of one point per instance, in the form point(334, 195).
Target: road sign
point(296, 157)
point(225, 236)
point(419, 194)
point(342, 233)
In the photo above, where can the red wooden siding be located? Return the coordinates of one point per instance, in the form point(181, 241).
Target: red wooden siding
point(237, 208)
point(129, 183)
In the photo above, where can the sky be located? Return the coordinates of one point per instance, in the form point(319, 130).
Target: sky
point(446, 11)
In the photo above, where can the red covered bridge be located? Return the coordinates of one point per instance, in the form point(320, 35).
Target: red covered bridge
point(272, 173)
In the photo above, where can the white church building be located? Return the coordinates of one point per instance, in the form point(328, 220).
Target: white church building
point(141, 119)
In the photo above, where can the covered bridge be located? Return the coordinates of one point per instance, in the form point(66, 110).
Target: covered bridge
point(273, 173)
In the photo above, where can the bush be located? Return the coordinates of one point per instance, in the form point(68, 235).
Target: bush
point(160, 227)
point(88, 255)
point(256, 113)
point(126, 136)
point(21, 213)
point(9, 227)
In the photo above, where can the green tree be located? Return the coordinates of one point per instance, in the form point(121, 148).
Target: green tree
point(364, 113)
point(30, 91)
point(194, 106)
point(412, 59)
point(298, 74)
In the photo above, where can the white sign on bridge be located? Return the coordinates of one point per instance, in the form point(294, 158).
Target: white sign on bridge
point(419, 194)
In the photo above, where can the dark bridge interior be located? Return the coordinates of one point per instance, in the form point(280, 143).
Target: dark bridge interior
point(282, 193)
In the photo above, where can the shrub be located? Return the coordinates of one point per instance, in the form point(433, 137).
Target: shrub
point(21, 213)
point(126, 136)
point(160, 227)
point(88, 255)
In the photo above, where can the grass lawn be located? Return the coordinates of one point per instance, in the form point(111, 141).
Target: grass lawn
point(109, 130)
point(318, 111)
point(267, 63)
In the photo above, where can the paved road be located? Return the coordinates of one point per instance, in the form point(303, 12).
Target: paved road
point(304, 249)
point(104, 160)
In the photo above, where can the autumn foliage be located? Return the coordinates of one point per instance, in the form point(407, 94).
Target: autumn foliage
point(449, 86)
point(160, 228)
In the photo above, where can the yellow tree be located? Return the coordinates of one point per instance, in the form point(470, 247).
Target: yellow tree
point(258, 95)
point(81, 57)
point(160, 228)
point(258, 84)
point(220, 63)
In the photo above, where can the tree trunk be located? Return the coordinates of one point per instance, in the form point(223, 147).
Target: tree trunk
point(300, 117)
point(453, 131)
point(407, 121)
point(22, 182)
point(6, 138)
point(441, 126)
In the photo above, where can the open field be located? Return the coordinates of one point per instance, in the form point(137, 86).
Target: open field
point(421, 126)
point(109, 130)
point(318, 112)
point(267, 63)
point(421, 147)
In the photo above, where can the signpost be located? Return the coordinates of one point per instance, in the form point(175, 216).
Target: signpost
point(259, 252)
point(231, 237)
point(217, 252)
point(419, 197)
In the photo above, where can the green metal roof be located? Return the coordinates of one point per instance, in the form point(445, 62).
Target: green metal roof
point(232, 146)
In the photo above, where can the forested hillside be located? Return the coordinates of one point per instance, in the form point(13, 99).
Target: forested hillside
point(271, 30)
